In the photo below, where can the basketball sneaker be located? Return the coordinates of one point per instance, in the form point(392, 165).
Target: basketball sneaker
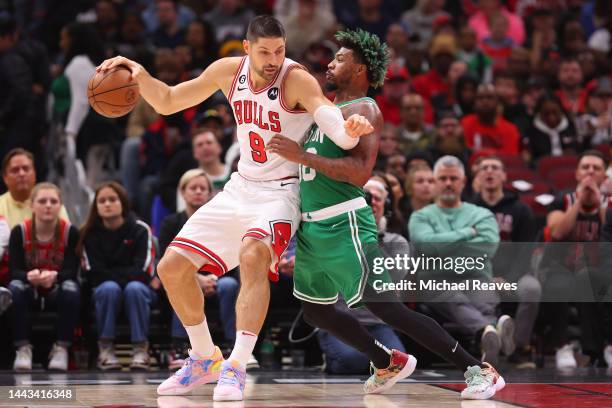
point(231, 382)
point(400, 366)
point(195, 372)
point(482, 383)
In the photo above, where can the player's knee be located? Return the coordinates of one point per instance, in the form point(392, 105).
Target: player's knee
point(173, 267)
point(254, 256)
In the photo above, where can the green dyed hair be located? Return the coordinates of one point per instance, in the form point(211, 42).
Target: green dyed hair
point(369, 50)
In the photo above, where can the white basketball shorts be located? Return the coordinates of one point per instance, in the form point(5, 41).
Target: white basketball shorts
point(264, 210)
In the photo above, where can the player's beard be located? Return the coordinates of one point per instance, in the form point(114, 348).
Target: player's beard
point(265, 75)
point(331, 86)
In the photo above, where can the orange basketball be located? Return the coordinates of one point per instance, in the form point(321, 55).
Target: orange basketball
point(113, 93)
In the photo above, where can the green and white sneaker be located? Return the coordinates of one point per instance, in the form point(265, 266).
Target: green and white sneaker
point(482, 383)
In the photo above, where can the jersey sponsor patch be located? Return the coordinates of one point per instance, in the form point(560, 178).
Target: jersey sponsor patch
point(273, 93)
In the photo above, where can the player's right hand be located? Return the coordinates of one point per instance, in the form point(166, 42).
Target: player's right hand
point(357, 126)
point(111, 63)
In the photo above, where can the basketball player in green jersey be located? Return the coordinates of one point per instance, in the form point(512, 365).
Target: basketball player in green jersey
point(337, 239)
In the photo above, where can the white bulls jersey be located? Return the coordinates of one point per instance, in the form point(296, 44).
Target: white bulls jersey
point(259, 115)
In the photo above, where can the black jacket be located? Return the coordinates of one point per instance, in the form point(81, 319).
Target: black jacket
point(122, 255)
point(170, 227)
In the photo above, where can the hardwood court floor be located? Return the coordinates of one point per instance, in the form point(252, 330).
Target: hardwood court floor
point(427, 388)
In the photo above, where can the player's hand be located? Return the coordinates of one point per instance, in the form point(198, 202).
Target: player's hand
point(286, 148)
point(357, 126)
point(111, 63)
point(286, 265)
point(208, 284)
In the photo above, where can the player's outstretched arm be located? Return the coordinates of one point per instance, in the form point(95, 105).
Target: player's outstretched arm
point(356, 168)
point(167, 99)
point(303, 89)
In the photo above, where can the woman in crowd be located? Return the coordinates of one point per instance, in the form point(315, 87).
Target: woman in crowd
point(196, 189)
point(43, 268)
point(419, 190)
point(118, 256)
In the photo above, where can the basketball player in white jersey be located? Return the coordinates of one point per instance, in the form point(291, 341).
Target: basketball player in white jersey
point(251, 222)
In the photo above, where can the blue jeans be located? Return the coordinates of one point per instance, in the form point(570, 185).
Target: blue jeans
point(227, 292)
point(66, 298)
point(343, 359)
point(138, 298)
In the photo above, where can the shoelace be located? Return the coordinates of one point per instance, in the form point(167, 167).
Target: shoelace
point(475, 376)
point(186, 364)
point(230, 378)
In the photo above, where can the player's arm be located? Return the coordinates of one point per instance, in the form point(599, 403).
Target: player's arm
point(302, 89)
point(167, 99)
point(356, 168)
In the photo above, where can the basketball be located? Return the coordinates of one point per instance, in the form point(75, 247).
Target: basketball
point(113, 93)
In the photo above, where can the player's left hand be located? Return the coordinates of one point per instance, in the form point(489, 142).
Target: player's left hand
point(286, 148)
point(357, 126)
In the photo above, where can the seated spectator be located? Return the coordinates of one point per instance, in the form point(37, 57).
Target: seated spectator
point(19, 176)
point(419, 190)
point(196, 190)
point(574, 217)
point(482, 22)
point(571, 91)
point(552, 132)
point(202, 47)
point(5, 295)
point(595, 124)
point(396, 223)
point(486, 128)
point(395, 87)
point(478, 63)
point(169, 33)
point(448, 139)
point(388, 142)
point(449, 220)
point(150, 17)
point(118, 258)
point(309, 24)
point(465, 95)
point(205, 154)
point(442, 53)
point(516, 223)
point(414, 134)
point(498, 46)
point(420, 19)
point(229, 20)
point(509, 93)
point(44, 267)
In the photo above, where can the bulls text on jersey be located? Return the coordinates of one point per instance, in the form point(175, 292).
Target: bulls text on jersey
point(250, 112)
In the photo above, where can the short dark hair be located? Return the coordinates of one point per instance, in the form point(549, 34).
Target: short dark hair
point(594, 153)
point(265, 26)
point(15, 152)
point(491, 157)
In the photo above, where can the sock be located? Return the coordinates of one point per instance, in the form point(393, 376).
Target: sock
point(243, 348)
point(200, 339)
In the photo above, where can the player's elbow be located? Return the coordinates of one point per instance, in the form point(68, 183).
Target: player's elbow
point(360, 179)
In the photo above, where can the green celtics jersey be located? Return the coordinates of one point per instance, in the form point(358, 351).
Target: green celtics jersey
point(317, 191)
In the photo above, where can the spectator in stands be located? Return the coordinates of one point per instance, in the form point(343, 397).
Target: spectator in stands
point(482, 21)
point(498, 46)
point(19, 176)
point(486, 128)
point(465, 95)
point(516, 223)
point(17, 121)
point(571, 92)
point(44, 265)
point(509, 93)
point(552, 132)
point(603, 309)
point(595, 125)
point(83, 51)
point(396, 223)
point(388, 142)
point(469, 52)
point(185, 15)
point(449, 220)
point(196, 190)
point(201, 47)
point(419, 190)
point(118, 255)
point(134, 43)
point(107, 21)
point(571, 38)
point(395, 87)
point(229, 19)
point(205, 154)
point(168, 70)
point(169, 34)
point(519, 64)
point(309, 24)
point(420, 19)
point(575, 217)
point(442, 53)
point(413, 134)
point(448, 139)
point(5, 276)
point(397, 41)
point(372, 17)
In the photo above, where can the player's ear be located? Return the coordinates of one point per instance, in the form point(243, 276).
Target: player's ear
point(245, 44)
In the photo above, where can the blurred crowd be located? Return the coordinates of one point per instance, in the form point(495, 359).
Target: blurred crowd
point(518, 92)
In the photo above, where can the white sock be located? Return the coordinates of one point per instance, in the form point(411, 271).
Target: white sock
point(200, 339)
point(243, 348)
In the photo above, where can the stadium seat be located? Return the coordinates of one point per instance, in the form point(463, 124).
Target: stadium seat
point(549, 164)
point(563, 179)
point(538, 209)
point(512, 161)
point(522, 174)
